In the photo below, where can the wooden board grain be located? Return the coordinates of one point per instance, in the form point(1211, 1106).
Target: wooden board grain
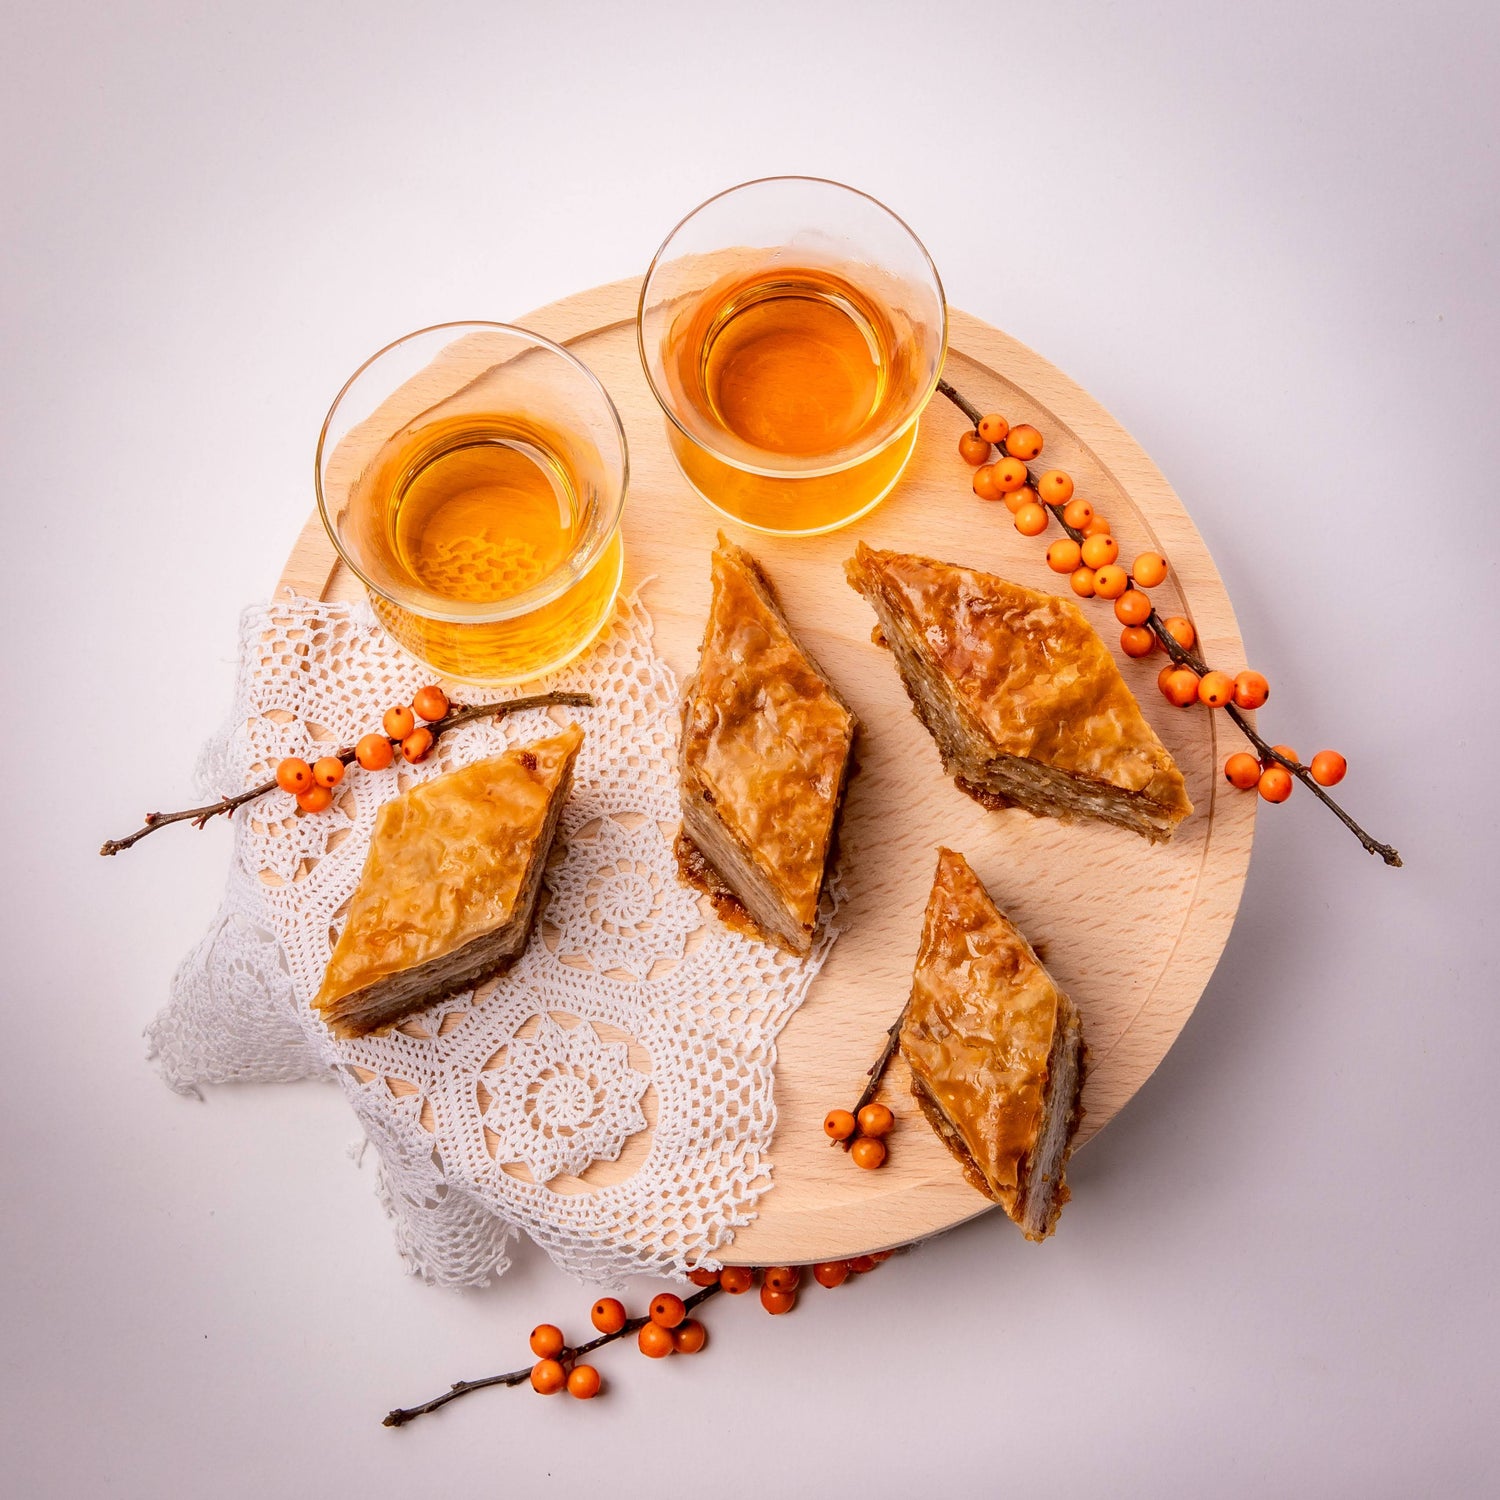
point(1132, 932)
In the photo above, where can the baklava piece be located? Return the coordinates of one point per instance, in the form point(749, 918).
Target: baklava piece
point(995, 1049)
point(449, 888)
point(1024, 700)
point(764, 758)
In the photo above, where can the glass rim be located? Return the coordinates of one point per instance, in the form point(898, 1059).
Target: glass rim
point(568, 572)
point(919, 405)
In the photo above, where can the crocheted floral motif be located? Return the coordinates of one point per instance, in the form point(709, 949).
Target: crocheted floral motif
point(562, 1099)
point(622, 911)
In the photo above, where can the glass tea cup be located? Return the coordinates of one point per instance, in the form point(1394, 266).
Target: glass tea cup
point(472, 475)
point(792, 330)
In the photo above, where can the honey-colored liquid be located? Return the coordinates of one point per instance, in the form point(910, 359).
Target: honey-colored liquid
point(484, 519)
point(798, 363)
point(476, 510)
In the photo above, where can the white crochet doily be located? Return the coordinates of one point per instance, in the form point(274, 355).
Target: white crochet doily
point(524, 1104)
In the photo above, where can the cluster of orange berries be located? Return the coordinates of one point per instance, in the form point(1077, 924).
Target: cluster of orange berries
point(870, 1126)
point(312, 785)
point(1092, 564)
point(667, 1328)
point(779, 1284)
point(1273, 780)
point(1093, 570)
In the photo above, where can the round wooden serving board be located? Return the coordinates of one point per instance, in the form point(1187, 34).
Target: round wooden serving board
point(1131, 931)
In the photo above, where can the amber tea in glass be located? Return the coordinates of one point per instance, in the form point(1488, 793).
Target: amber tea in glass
point(473, 475)
point(792, 330)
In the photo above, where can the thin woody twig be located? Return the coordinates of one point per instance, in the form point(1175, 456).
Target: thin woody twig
point(458, 713)
point(1194, 662)
point(877, 1071)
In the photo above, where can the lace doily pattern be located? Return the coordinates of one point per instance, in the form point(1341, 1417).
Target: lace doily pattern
point(611, 1095)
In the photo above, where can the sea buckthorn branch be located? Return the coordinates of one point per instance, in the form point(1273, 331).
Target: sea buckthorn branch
point(1186, 656)
point(456, 714)
point(402, 1415)
point(835, 1125)
point(1195, 663)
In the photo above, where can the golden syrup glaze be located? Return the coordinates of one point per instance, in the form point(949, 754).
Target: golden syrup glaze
point(1030, 669)
point(447, 862)
point(979, 1026)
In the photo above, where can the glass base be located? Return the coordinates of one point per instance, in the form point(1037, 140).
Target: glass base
point(791, 506)
point(501, 653)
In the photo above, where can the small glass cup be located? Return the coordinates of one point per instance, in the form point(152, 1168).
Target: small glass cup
point(472, 476)
point(792, 330)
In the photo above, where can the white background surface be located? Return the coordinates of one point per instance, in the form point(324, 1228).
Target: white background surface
point(1264, 236)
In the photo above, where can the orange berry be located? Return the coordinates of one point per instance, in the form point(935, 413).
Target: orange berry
point(1110, 581)
point(1010, 474)
point(689, 1336)
point(776, 1302)
point(1161, 677)
point(839, 1125)
point(1181, 687)
point(374, 752)
point(1286, 752)
point(1136, 640)
point(993, 427)
point(1216, 689)
point(881, 1256)
point(1328, 767)
point(704, 1278)
point(315, 799)
point(1181, 631)
point(1149, 569)
point(1055, 487)
point(294, 775)
point(984, 483)
point(1023, 442)
point(1031, 520)
point(876, 1120)
point(430, 703)
point(973, 449)
point(654, 1341)
point(1096, 526)
point(1242, 770)
point(608, 1315)
point(399, 721)
point(1100, 551)
point(416, 745)
point(548, 1377)
point(328, 771)
point(668, 1309)
point(868, 1152)
point(861, 1264)
point(1276, 783)
point(782, 1278)
point(1083, 582)
point(831, 1273)
point(736, 1279)
point(1250, 689)
point(583, 1382)
point(547, 1341)
point(1064, 555)
point(1077, 513)
point(1133, 608)
point(1015, 499)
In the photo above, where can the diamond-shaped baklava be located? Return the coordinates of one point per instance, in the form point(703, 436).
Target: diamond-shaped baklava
point(1023, 698)
point(450, 885)
point(995, 1050)
point(764, 757)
